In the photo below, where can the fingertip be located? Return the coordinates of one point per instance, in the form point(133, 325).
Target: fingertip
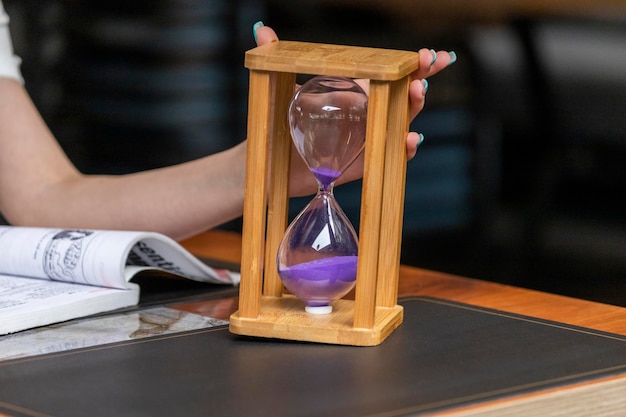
point(427, 58)
point(418, 88)
point(417, 97)
point(434, 54)
point(263, 34)
point(452, 58)
point(256, 27)
point(413, 142)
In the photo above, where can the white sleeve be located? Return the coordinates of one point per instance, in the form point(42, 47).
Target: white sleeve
point(9, 62)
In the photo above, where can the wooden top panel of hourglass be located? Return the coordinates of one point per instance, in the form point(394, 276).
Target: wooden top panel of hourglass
point(336, 60)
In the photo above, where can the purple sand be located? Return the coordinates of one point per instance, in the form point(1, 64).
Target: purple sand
point(326, 176)
point(320, 281)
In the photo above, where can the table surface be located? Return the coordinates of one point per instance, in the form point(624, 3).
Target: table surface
point(599, 393)
point(581, 398)
point(226, 246)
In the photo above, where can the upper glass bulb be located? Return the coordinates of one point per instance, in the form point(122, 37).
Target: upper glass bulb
point(328, 118)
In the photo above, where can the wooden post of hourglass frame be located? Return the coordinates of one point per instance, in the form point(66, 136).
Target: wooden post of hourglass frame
point(265, 310)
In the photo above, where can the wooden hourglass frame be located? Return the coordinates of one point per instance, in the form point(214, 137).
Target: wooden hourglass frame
point(265, 309)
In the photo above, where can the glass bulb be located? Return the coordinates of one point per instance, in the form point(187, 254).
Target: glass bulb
point(327, 118)
point(317, 258)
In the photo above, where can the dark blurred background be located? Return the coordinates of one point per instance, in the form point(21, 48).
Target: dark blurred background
point(521, 179)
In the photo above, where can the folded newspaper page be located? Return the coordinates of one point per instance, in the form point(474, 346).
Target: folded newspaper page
point(53, 275)
point(107, 258)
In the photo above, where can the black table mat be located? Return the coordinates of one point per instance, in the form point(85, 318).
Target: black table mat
point(444, 355)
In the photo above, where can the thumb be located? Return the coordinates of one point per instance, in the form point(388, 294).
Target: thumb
point(263, 34)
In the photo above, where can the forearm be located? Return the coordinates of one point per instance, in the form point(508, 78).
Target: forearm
point(40, 187)
point(179, 201)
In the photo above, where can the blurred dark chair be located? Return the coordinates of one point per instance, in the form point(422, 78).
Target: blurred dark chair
point(554, 90)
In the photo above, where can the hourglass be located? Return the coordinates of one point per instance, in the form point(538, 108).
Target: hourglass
point(289, 275)
point(317, 258)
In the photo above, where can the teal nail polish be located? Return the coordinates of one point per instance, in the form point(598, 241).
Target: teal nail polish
point(425, 82)
point(421, 135)
point(432, 51)
point(255, 27)
point(452, 57)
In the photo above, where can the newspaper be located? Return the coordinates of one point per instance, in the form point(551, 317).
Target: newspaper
point(106, 258)
point(41, 267)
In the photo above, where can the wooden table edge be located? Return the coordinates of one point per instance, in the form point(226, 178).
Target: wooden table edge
point(602, 396)
point(226, 246)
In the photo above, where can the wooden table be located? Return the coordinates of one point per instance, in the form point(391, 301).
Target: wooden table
point(589, 398)
point(226, 246)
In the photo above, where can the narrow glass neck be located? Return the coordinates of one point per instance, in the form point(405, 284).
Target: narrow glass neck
point(325, 189)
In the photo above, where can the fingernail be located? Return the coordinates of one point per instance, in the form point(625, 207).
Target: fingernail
point(425, 82)
point(432, 51)
point(452, 57)
point(255, 27)
point(421, 140)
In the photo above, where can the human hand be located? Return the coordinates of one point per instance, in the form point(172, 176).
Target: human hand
point(431, 62)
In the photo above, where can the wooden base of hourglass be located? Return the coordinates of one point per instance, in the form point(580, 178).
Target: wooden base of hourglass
point(264, 309)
